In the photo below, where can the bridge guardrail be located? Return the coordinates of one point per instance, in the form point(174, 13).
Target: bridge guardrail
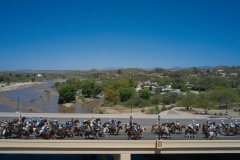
point(118, 146)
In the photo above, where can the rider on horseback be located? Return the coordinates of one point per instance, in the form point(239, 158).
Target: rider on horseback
point(40, 119)
point(212, 128)
point(177, 124)
point(135, 129)
point(47, 129)
point(81, 125)
point(26, 129)
point(19, 124)
point(38, 124)
point(30, 120)
point(49, 120)
point(236, 123)
point(55, 124)
point(110, 122)
point(222, 122)
point(208, 123)
point(99, 125)
point(115, 123)
point(69, 124)
point(20, 118)
point(232, 126)
point(60, 128)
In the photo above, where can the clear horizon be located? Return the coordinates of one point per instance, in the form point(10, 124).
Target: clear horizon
point(82, 35)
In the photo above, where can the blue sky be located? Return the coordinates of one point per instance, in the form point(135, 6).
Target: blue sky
point(86, 34)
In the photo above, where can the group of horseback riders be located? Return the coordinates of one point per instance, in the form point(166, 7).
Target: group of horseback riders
point(48, 126)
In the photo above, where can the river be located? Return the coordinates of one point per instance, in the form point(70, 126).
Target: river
point(35, 99)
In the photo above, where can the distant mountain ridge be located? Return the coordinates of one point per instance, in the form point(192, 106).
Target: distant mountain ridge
point(116, 68)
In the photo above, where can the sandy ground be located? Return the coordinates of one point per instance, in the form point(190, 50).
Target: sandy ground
point(14, 86)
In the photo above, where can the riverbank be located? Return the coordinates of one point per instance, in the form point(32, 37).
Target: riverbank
point(15, 86)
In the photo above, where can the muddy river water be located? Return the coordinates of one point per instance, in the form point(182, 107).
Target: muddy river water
point(35, 99)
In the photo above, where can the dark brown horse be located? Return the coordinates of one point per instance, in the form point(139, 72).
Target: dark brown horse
point(163, 131)
point(133, 135)
point(23, 133)
point(179, 128)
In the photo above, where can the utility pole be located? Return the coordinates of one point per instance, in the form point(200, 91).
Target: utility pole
point(159, 126)
point(18, 105)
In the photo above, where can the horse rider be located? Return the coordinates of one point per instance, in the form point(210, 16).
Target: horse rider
point(177, 124)
point(236, 123)
point(193, 123)
point(55, 124)
point(30, 120)
point(167, 122)
point(91, 127)
point(26, 129)
point(94, 122)
point(232, 126)
point(135, 129)
point(38, 124)
point(49, 120)
point(115, 122)
point(109, 119)
point(208, 122)
point(19, 124)
point(156, 122)
point(47, 129)
point(212, 128)
point(223, 124)
point(99, 125)
point(60, 128)
point(69, 124)
point(110, 122)
point(20, 117)
point(81, 125)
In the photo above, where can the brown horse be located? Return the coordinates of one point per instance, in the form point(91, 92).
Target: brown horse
point(132, 134)
point(230, 131)
point(190, 133)
point(163, 131)
point(179, 128)
point(23, 133)
point(47, 135)
point(155, 129)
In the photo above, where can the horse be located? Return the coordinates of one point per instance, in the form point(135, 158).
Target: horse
point(115, 128)
point(190, 133)
point(132, 134)
point(47, 135)
point(210, 135)
point(163, 130)
point(23, 133)
point(179, 128)
point(233, 131)
point(155, 129)
point(168, 124)
point(93, 133)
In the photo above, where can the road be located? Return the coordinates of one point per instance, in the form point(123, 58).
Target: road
point(145, 121)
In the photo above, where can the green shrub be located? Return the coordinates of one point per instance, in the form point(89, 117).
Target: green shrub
point(164, 108)
point(220, 113)
point(150, 111)
point(101, 111)
point(142, 110)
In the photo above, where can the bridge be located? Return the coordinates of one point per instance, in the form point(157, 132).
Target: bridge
point(119, 149)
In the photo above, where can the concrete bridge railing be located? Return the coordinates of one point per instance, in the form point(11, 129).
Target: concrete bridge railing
point(120, 149)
